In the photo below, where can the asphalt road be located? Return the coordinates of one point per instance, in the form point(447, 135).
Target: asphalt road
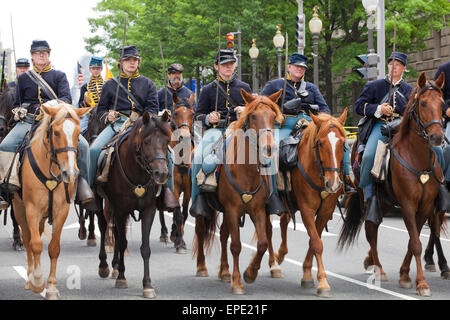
point(173, 275)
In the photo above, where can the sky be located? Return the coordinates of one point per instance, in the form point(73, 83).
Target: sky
point(62, 23)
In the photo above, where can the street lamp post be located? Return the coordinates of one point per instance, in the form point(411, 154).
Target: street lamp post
point(315, 26)
point(278, 42)
point(254, 52)
point(371, 7)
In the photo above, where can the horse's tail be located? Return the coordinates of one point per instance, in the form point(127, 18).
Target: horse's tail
point(354, 218)
point(207, 230)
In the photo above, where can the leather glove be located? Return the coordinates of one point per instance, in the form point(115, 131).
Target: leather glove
point(112, 117)
point(19, 113)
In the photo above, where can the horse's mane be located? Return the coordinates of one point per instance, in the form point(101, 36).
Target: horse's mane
point(155, 122)
point(65, 109)
point(311, 133)
point(7, 100)
point(251, 107)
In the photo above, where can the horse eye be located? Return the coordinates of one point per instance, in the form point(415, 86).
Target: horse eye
point(423, 104)
point(56, 133)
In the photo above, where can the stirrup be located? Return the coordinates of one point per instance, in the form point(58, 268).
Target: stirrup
point(200, 207)
point(85, 197)
point(275, 205)
point(373, 211)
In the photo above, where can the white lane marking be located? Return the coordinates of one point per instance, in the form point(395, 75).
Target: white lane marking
point(300, 227)
point(23, 273)
point(354, 281)
point(68, 128)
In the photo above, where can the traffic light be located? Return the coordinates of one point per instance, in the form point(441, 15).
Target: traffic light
point(230, 40)
point(370, 70)
point(300, 33)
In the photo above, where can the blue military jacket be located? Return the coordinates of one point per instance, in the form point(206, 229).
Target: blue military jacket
point(142, 88)
point(181, 92)
point(207, 100)
point(27, 91)
point(96, 86)
point(314, 95)
point(374, 92)
point(446, 89)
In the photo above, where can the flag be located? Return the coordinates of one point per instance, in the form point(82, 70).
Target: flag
point(80, 72)
point(108, 74)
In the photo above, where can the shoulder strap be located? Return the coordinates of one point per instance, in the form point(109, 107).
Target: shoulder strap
point(40, 82)
point(385, 98)
point(224, 94)
point(132, 97)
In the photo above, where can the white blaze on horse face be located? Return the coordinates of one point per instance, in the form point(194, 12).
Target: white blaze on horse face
point(333, 141)
point(69, 128)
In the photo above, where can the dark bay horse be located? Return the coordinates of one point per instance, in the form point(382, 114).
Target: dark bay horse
point(415, 179)
point(48, 175)
point(317, 182)
point(242, 189)
point(182, 126)
point(7, 96)
point(136, 177)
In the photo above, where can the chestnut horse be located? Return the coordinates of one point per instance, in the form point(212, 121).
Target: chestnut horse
point(317, 182)
point(182, 126)
point(136, 177)
point(48, 175)
point(243, 189)
point(420, 129)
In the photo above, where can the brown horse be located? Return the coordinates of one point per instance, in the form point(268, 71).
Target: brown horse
point(182, 126)
point(136, 176)
point(48, 174)
point(415, 180)
point(242, 189)
point(317, 182)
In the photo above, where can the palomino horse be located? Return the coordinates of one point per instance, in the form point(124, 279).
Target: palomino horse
point(316, 185)
point(182, 125)
point(411, 149)
point(136, 177)
point(7, 96)
point(48, 174)
point(242, 189)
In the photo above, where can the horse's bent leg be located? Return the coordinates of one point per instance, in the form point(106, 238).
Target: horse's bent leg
point(146, 225)
point(275, 269)
point(179, 242)
point(259, 220)
point(283, 249)
point(82, 233)
point(200, 230)
point(91, 241)
point(224, 270)
point(163, 237)
point(372, 258)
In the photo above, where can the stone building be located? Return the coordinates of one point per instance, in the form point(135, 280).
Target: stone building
point(9, 63)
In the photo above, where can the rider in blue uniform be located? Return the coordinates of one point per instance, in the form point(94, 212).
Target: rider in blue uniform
point(22, 66)
point(301, 92)
point(175, 75)
point(373, 103)
point(229, 104)
point(29, 98)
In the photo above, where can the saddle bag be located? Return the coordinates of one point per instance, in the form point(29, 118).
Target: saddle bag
point(365, 126)
point(391, 127)
point(288, 152)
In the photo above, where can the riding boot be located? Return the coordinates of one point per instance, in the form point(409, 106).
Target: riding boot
point(275, 205)
point(373, 212)
point(85, 196)
point(170, 201)
point(443, 199)
point(349, 186)
point(200, 207)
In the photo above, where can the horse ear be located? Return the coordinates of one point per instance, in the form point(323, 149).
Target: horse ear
point(275, 96)
point(166, 116)
point(343, 117)
point(248, 97)
point(192, 99)
point(82, 111)
point(145, 117)
point(316, 119)
point(422, 79)
point(440, 81)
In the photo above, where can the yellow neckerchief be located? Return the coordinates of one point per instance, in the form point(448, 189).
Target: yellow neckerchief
point(133, 76)
point(94, 87)
point(46, 69)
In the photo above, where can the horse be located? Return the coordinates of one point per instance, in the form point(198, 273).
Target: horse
point(7, 96)
point(136, 177)
point(48, 174)
point(95, 126)
point(182, 125)
point(317, 182)
point(242, 189)
point(414, 181)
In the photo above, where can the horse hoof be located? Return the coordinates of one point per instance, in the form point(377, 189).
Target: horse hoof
point(383, 277)
point(37, 289)
point(324, 293)
point(367, 263)
point(82, 234)
point(276, 274)
point(430, 267)
point(115, 274)
point(247, 278)
point(103, 272)
point(181, 250)
point(173, 237)
point(91, 243)
point(27, 285)
point(164, 239)
point(202, 273)
point(18, 246)
point(445, 275)
point(405, 284)
point(149, 293)
point(424, 292)
point(225, 277)
point(307, 284)
point(121, 283)
point(238, 291)
point(52, 295)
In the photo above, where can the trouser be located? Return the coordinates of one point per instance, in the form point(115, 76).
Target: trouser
point(202, 150)
point(103, 138)
point(17, 134)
